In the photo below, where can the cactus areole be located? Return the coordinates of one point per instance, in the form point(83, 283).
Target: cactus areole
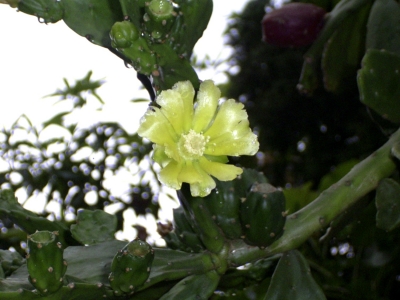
point(293, 25)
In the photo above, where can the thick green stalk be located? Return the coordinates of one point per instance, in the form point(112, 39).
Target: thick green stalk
point(362, 179)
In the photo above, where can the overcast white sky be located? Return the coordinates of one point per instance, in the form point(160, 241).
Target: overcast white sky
point(34, 58)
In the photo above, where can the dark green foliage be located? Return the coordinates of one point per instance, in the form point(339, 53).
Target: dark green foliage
point(388, 205)
point(301, 137)
point(344, 50)
point(384, 26)
point(9, 262)
point(194, 287)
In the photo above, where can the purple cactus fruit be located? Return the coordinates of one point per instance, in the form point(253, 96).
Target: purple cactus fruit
point(293, 25)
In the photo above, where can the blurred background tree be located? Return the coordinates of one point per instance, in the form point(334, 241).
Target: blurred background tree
point(308, 142)
point(62, 165)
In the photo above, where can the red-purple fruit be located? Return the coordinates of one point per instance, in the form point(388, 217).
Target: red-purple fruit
point(293, 25)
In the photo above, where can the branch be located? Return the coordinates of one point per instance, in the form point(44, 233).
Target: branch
point(361, 180)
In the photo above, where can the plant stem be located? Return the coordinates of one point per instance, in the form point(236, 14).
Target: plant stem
point(361, 180)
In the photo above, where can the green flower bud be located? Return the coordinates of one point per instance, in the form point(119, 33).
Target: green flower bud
point(123, 34)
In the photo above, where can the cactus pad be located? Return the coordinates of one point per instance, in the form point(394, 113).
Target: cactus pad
point(45, 262)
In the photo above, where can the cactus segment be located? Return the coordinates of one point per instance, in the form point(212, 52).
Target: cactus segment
point(208, 231)
point(383, 28)
point(28, 221)
point(292, 279)
point(185, 233)
point(194, 287)
point(344, 50)
point(263, 215)
point(94, 227)
point(131, 267)
point(158, 19)
point(92, 18)
point(224, 201)
point(45, 262)
point(133, 11)
point(172, 68)
point(378, 83)
point(387, 202)
point(190, 24)
point(47, 11)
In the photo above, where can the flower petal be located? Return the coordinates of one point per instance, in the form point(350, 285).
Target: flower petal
point(245, 145)
point(169, 175)
point(155, 127)
point(172, 106)
point(189, 173)
point(207, 103)
point(220, 171)
point(203, 187)
point(160, 156)
point(186, 90)
point(229, 116)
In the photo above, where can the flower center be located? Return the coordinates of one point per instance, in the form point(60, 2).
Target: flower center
point(192, 144)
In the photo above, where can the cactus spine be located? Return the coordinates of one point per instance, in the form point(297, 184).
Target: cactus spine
point(45, 262)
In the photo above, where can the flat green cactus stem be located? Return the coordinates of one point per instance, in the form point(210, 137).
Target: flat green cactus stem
point(194, 287)
point(47, 11)
point(45, 262)
point(27, 220)
point(131, 267)
point(94, 227)
point(292, 279)
point(378, 82)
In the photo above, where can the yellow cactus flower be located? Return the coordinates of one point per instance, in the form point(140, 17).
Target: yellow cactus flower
point(193, 139)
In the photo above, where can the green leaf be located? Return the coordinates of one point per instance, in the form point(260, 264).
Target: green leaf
point(383, 28)
point(387, 202)
point(292, 280)
point(94, 227)
point(379, 83)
